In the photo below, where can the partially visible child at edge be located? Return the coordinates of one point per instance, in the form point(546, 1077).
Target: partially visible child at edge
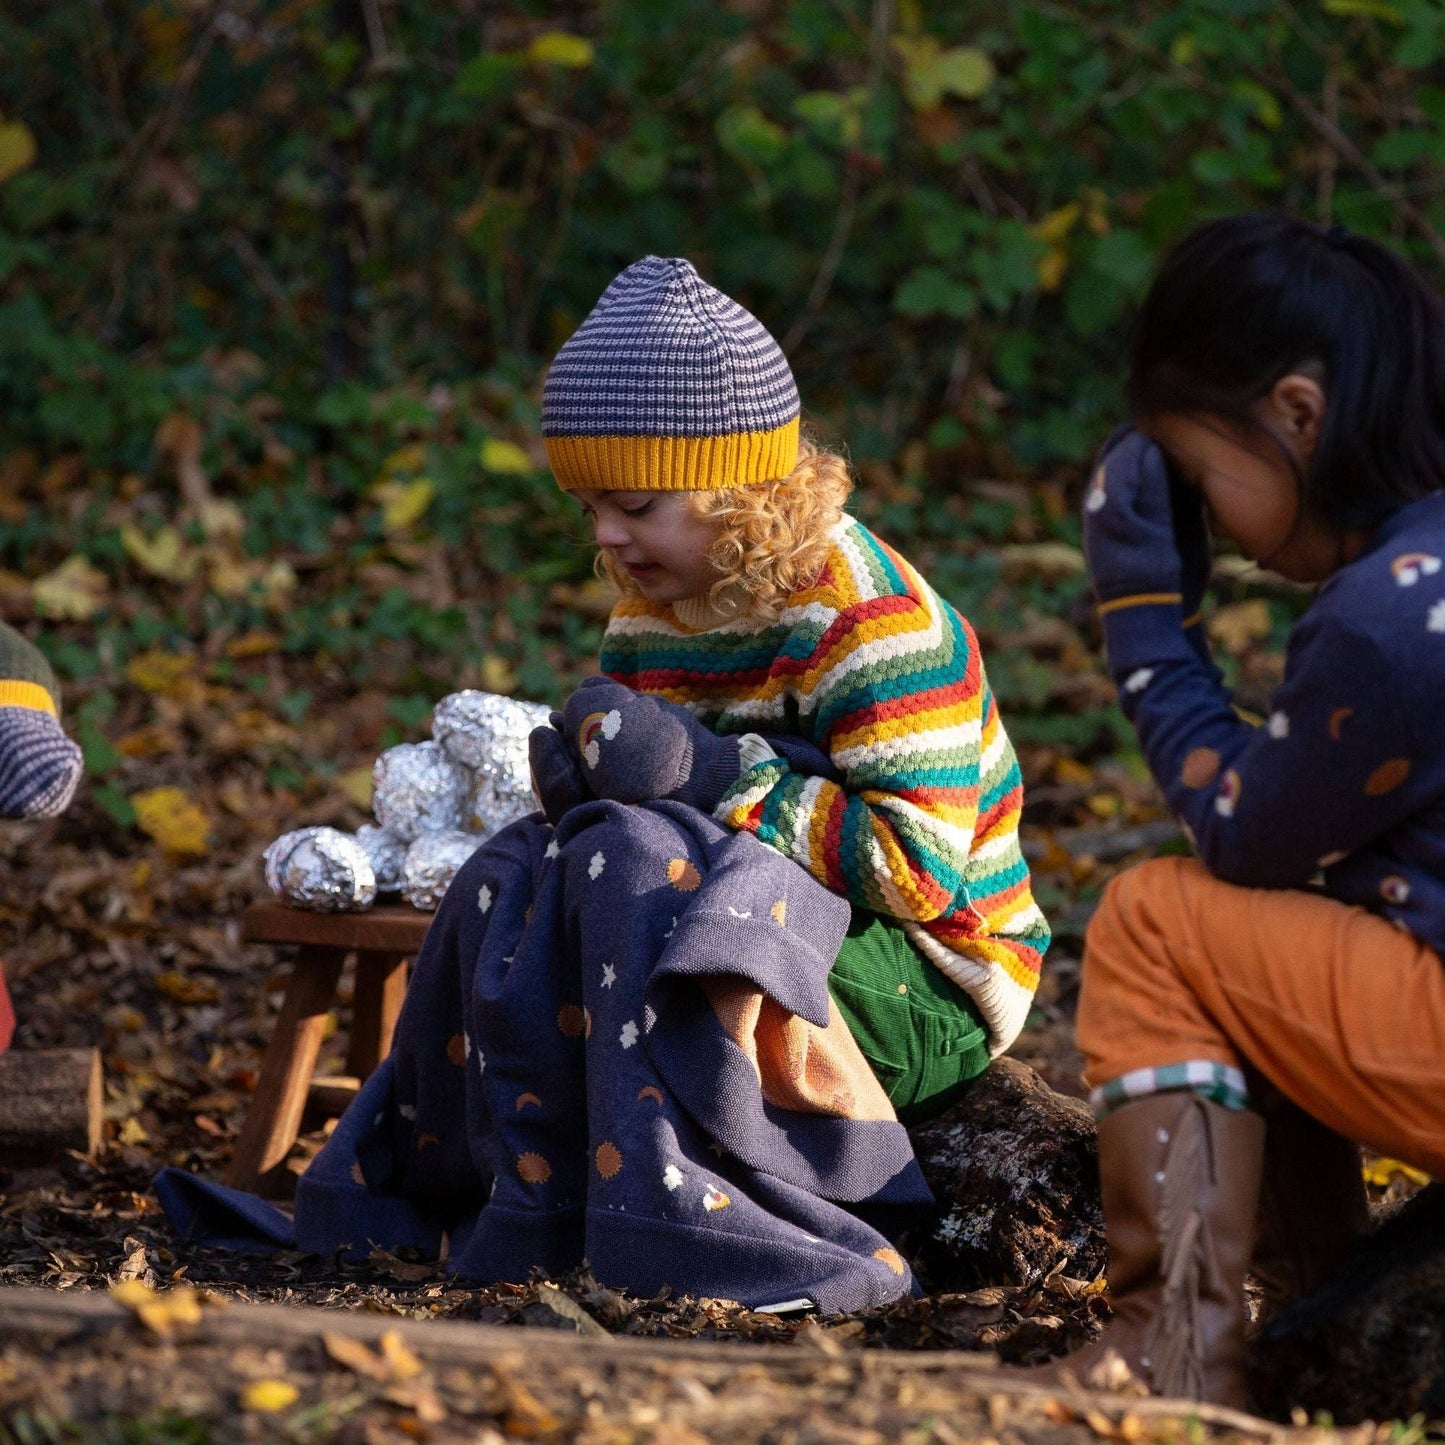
point(762, 614)
point(39, 765)
point(1246, 1013)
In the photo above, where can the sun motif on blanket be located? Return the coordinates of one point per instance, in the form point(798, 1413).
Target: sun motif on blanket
point(779, 912)
point(683, 875)
point(604, 724)
point(608, 1159)
point(572, 1020)
point(533, 1168)
point(892, 1259)
point(457, 1049)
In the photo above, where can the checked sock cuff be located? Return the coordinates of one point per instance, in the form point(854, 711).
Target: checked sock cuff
point(1222, 1083)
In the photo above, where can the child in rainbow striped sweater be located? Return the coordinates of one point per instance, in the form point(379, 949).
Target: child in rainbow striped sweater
point(776, 665)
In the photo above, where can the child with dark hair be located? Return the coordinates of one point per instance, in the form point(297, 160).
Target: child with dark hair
point(39, 765)
point(1246, 1012)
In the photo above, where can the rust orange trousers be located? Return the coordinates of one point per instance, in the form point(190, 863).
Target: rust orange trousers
point(1338, 1009)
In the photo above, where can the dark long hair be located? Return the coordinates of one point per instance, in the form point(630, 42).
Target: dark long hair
point(1243, 301)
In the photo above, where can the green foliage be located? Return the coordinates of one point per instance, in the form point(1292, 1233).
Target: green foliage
point(257, 254)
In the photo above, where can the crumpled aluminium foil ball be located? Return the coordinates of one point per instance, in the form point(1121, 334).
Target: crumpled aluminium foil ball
point(387, 853)
point(418, 788)
point(321, 869)
point(431, 864)
point(485, 730)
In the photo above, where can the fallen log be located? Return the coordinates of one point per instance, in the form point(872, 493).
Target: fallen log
point(50, 1101)
point(80, 1359)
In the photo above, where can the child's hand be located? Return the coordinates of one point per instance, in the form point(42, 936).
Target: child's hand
point(556, 772)
point(637, 748)
point(1144, 529)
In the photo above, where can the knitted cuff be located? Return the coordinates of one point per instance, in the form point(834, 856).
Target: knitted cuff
point(1143, 631)
point(712, 774)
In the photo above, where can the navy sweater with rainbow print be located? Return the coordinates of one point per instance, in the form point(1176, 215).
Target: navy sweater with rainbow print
point(1347, 775)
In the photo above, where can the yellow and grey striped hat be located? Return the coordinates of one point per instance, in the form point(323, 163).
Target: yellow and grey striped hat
point(669, 385)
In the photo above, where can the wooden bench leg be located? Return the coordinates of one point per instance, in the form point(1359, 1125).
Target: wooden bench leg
point(376, 1003)
point(274, 1117)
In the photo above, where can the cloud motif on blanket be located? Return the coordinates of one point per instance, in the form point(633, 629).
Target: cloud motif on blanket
point(628, 1036)
point(1097, 494)
point(605, 725)
point(484, 898)
point(672, 1178)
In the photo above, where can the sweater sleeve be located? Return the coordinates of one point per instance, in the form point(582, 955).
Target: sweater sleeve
point(895, 695)
point(1334, 766)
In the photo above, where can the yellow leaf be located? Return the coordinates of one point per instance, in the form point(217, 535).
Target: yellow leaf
point(497, 455)
point(132, 1132)
point(410, 458)
point(173, 820)
point(1051, 268)
point(17, 148)
point(497, 674)
point(160, 672)
point(185, 988)
point(75, 591)
point(159, 1313)
point(356, 784)
point(1069, 771)
point(1382, 1172)
point(269, 1396)
point(253, 644)
point(1241, 625)
point(399, 1359)
point(1057, 224)
point(356, 1356)
point(557, 47)
point(403, 504)
point(165, 555)
point(221, 519)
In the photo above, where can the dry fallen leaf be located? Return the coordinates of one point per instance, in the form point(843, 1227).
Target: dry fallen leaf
point(169, 816)
point(74, 592)
point(269, 1396)
point(158, 1312)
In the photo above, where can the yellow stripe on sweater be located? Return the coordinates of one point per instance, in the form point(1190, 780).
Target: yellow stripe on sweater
point(27, 694)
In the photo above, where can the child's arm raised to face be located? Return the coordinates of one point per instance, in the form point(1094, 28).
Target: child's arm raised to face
point(1335, 765)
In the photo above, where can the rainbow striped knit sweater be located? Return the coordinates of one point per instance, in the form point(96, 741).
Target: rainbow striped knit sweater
point(872, 666)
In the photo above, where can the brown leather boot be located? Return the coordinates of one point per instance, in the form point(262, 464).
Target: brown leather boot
point(1313, 1204)
point(1180, 1178)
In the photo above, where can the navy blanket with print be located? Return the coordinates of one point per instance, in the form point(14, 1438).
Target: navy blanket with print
point(560, 1088)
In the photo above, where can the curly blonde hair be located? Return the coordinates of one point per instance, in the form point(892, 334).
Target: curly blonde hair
point(775, 535)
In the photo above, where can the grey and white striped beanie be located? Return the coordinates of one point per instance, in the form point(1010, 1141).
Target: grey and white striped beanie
point(669, 385)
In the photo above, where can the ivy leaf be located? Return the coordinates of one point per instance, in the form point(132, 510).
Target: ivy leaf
point(931, 291)
point(745, 133)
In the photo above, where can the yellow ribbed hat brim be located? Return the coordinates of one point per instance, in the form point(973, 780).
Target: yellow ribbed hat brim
point(672, 464)
point(14, 693)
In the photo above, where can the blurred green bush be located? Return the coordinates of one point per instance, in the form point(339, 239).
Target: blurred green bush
point(251, 249)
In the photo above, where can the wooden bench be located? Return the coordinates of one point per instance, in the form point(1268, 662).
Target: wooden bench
point(383, 940)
